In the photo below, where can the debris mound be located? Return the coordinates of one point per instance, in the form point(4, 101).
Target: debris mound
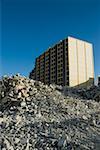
point(34, 116)
point(90, 93)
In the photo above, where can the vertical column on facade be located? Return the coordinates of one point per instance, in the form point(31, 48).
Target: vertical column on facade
point(93, 63)
point(64, 62)
point(67, 62)
point(36, 69)
point(44, 68)
point(49, 66)
point(56, 57)
point(77, 64)
point(35, 72)
point(85, 63)
point(39, 68)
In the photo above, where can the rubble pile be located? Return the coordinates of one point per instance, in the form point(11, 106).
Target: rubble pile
point(90, 93)
point(34, 116)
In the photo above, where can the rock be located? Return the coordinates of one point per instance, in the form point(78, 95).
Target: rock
point(19, 87)
point(19, 95)
point(24, 93)
point(92, 92)
point(39, 115)
point(61, 142)
point(59, 87)
point(1, 120)
point(11, 94)
point(23, 104)
point(17, 140)
point(23, 141)
point(28, 99)
point(84, 117)
point(4, 149)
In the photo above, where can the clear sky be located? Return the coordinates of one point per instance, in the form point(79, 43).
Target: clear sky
point(29, 27)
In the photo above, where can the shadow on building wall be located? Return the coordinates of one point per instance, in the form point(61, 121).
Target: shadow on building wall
point(86, 84)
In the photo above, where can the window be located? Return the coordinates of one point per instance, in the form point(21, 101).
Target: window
point(47, 57)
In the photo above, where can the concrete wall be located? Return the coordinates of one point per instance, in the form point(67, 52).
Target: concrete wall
point(81, 66)
point(72, 55)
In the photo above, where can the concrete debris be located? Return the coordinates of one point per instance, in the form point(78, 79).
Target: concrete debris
point(91, 93)
point(34, 116)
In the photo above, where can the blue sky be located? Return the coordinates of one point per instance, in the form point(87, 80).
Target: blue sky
point(29, 27)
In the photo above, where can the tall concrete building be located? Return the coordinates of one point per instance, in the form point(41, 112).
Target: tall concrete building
point(69, 62)
point(98, 80)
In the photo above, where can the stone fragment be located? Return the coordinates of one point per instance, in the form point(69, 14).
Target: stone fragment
point(84, 117)
point(24, 93)
point(19, 95)
point(17, 140)
point(23, 140)
point(1, 120)
point(23, 104)
point(61, 142)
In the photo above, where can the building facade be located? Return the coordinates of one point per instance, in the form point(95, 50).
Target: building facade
point(69, 62)
point(98, 80)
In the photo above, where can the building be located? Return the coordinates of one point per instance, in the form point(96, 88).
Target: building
point(69, 62)
point(98, 80)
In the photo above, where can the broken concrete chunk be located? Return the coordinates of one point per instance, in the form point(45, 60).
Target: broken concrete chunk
point(23, 104)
